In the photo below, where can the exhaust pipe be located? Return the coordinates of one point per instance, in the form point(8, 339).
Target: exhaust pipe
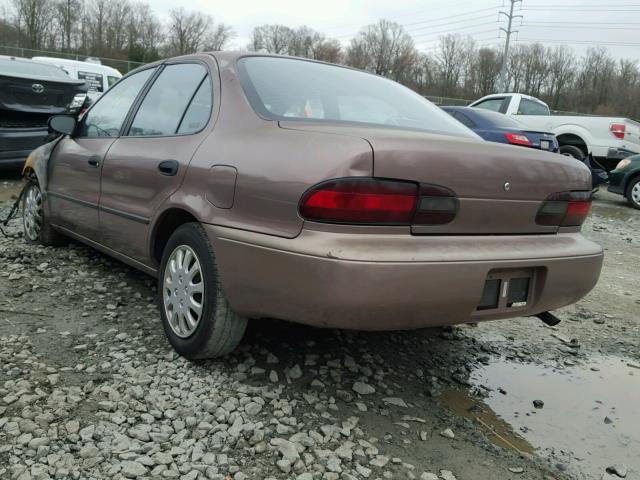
point(549, 318)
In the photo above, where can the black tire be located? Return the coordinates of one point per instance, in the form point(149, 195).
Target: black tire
point(572, 151)
point(37, 229)
point(634, 184)
point(218, 330)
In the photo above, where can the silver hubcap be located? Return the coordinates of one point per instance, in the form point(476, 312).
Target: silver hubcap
point(32, 213)
point(183, 291)
point(635, 193)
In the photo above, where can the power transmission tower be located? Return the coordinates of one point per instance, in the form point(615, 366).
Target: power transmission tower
point(502, 83)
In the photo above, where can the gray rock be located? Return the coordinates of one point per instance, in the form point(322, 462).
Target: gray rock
point(447, 475)
point(252, 408)
point(447, 433)
point(295, 372)
point(618, 469)
point(428, 476)
point(363, 388)
point(133, 469)
point(379, 461)
point(89, 451)
point(397, 401)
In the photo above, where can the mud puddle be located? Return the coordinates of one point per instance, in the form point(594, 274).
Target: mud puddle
point(590, 419)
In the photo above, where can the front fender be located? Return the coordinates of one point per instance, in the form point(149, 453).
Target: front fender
point(37, 164)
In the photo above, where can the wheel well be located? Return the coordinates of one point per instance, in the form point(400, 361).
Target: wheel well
point(630, 180)
point(166, 225)
point(574, 140)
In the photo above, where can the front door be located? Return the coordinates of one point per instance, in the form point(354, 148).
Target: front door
point(76, 164)
point(147, 164)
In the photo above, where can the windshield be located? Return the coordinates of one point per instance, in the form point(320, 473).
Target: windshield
point(30, 69)
point(286, 89)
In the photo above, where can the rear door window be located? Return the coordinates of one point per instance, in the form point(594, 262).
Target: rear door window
point(199, 110)
point(493, 104)
point(530, 107)
point(162, 109)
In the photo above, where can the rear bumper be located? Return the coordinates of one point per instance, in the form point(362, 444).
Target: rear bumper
point(17, 143)
point(389, 282)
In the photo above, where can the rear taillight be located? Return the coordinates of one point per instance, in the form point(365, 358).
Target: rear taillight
point(361, 200)
point(618, 130)
point(518, 139)
point(564, 209)
point(375, 201)
point(437, 206)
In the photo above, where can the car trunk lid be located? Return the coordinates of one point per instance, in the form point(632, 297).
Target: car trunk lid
point(499, 187)
point(38, 95)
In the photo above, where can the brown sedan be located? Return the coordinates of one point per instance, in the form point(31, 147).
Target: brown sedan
point(261, 186)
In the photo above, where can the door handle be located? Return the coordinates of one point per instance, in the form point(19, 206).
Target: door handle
point(168, 167)
point(94, 161)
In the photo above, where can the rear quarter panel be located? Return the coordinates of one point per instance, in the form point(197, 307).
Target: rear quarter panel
point(274, 166)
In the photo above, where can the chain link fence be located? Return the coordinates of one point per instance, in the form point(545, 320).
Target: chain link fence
point(448, 101)
point(123, 66)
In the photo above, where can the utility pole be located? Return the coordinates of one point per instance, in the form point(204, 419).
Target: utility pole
point(502, 83)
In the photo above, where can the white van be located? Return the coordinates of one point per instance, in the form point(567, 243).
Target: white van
point(98, 76)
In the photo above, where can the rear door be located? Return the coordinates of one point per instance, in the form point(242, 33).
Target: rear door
point(75, 165)
point(147, 164)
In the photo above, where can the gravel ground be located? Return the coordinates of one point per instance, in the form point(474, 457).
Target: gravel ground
point(89, 387)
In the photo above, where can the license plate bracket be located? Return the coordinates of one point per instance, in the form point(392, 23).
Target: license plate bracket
point(506, 290)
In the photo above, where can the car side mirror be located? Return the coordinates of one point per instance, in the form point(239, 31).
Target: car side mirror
point(65, 124)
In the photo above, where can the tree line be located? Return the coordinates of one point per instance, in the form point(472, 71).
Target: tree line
point(456, 67)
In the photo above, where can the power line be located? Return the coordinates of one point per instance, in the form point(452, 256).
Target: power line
point(580, 26)
point(431, 21)
point(441, 6)
point(579, 42)
point(578, 10)
point(431, 34)
point(597, 24)
point(451, 23)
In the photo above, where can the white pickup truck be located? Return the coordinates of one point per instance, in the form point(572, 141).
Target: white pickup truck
point(608, 139)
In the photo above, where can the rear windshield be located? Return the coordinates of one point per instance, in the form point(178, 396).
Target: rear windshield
point(291, 89)
point(31, 69)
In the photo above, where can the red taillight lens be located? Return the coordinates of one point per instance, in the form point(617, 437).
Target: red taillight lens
point(565, 209)
point(618, 130)
point(376, 201)
point(518, 139)
point(361, 200)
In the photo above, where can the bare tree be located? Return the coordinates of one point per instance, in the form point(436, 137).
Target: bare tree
point(67, 13)
point(487, 66)
point(271, 38)
point(187, 31)
point(33, 19)
point(383, 48)
point(561, 73)
point(451, 56)
point(219, 37)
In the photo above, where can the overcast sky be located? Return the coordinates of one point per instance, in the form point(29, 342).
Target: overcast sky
point(577, 23)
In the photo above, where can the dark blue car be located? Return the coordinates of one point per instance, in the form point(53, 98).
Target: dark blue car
point(496, 127)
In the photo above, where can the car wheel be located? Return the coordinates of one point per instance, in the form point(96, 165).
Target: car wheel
point(34, 222)
point(633, 193)
point(571, 151)
point(196, 316)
